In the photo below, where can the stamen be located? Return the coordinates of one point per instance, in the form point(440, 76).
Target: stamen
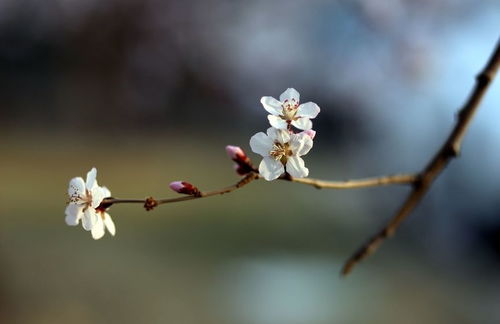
point(278, 151)
point(289, 109)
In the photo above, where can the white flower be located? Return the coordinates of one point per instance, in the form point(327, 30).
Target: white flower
point(84, 198)
point(103, 220)
point(288, 110)
point(279, 149)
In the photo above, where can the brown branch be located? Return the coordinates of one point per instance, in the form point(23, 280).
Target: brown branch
point(244, 181)
point(449, 150)
point(358, 183)
point(150, 203)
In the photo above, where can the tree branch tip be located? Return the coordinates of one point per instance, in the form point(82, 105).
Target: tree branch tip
point(345, 272)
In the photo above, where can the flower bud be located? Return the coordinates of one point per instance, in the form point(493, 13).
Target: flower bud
point(235, 153)
point(184, 187)
point(243, 164)
point(311, 133)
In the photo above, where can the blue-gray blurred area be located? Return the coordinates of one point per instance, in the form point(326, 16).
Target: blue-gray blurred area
point(151, 91)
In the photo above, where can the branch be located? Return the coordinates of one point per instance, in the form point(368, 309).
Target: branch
point(358, 183)
point(449, 150)
point(150, 203)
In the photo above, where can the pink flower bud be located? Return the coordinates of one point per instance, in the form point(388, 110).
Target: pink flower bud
point(184, 187)
point(311, 133)
point(176, 186)
point(243, 164)
point(235, 152)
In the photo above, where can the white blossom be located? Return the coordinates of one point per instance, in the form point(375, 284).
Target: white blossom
point(104, 220)
point(84, 198)
point(281, 149)
point(288, 110)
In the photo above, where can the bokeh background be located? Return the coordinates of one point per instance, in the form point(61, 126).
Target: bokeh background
point(151, 91)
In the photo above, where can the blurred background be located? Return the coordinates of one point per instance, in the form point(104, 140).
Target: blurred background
point(151, 91)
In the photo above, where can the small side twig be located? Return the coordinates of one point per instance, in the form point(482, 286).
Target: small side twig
point(449, 150)
point(150, 203)
point(358, 183)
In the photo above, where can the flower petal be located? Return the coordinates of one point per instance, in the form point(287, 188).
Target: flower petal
point(272, 105)
point(296, 143)
point(73, 214)
point(290, 94)
point(91, 182)
point(311, 133)
point(89, 218)
point(296, 167)
point(105, 191)
point(302, 123)
point(309, 109)
point(98, 195)
point(271, 169)
point(277, 122)
point(280, 135)
point(261, 144)
point(76, 187)
point(110, 225)
point(301, 144)
point(98, 228)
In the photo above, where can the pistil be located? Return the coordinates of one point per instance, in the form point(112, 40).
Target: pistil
point(290, 109)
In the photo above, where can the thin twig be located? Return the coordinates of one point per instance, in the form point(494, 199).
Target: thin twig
point(449, 150)
point(244, 181)
point(348, 184)
point(358, 183)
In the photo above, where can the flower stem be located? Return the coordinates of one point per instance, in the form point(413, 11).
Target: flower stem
point(252, 176)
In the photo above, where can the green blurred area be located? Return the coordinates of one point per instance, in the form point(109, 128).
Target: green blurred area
point(159, 259)
point(224, 259)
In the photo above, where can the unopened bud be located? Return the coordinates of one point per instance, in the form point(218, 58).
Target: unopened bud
point(235, 153)
point(184, 187)
point(311, 133)
point(243, 164)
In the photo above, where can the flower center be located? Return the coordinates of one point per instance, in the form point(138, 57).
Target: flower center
point(289, 109)
point(74, 198)
point(79, 199)
point(88, 196)
point(280, 152)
